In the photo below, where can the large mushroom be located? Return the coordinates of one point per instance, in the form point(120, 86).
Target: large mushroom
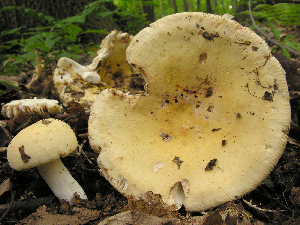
point(213, 120)
point(41, 145)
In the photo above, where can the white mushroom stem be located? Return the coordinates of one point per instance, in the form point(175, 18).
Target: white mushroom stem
point(60, 181)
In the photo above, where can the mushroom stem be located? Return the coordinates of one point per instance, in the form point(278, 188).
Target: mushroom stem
point(177, 193)
point(60, 181)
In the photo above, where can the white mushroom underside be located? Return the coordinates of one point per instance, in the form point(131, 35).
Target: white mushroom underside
point(208, 101)
point(31, 106)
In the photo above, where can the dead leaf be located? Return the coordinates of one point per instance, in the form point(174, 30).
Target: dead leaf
point(5, 186)
point(214, 219)
point(5, 136)
point(79, 216)
point(134, 217)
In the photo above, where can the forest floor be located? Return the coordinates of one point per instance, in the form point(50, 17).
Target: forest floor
point(26, 199)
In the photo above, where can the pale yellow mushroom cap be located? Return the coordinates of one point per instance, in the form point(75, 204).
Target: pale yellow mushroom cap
point(45, 141)
point(213, 122)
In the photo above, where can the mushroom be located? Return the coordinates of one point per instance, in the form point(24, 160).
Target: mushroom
point(109, 68)
point(30, 106)
point(212, 123)
point(41, 145)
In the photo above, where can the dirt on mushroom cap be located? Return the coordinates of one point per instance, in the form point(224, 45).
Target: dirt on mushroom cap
point(210, 81)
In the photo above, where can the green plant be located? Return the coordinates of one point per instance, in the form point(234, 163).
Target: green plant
point(7, 44)
point(286, 41)
point(96, 8)
point(133, 23)
point(24, 17)
point(4, 85)
point(282, 13)
point(47, 44)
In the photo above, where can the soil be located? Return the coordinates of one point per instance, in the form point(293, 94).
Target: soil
point(26, 199)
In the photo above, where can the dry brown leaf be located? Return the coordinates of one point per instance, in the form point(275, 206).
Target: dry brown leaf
point(79, 216)
point(5, 186)
point(134, 217)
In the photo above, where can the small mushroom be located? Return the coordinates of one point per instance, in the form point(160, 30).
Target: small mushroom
point(41, 145)
point(208, 80)
point(30, 106)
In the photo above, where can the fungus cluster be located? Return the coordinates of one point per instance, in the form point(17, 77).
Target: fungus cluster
point(212, 122)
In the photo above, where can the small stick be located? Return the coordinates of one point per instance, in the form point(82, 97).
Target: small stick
point(29, 204)
point(81, 151)
point(13, 195)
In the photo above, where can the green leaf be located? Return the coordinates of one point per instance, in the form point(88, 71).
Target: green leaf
point(41, 46)
point(40, 28)
point(289, 37)
point(28, 55)
point(289, 41)
point(73, 31)
point(94, 31)
point(51, 39)
point(73, 19)
point(29, 44)
point(75, 49)
point(9, 44)
point(293, 45)
point(275, 31)
point(104, 14)
point(8, 85)
point(282, 13)
point(13, 31)
point(285, 52)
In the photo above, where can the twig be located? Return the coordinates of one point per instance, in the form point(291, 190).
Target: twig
point(71, 117)
point(8, 62)
point(258, 209)
point(293, 141)
point(29, 204)
point(80, 151)
point(3, 149)
point(290, 50)
point(13, 195)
